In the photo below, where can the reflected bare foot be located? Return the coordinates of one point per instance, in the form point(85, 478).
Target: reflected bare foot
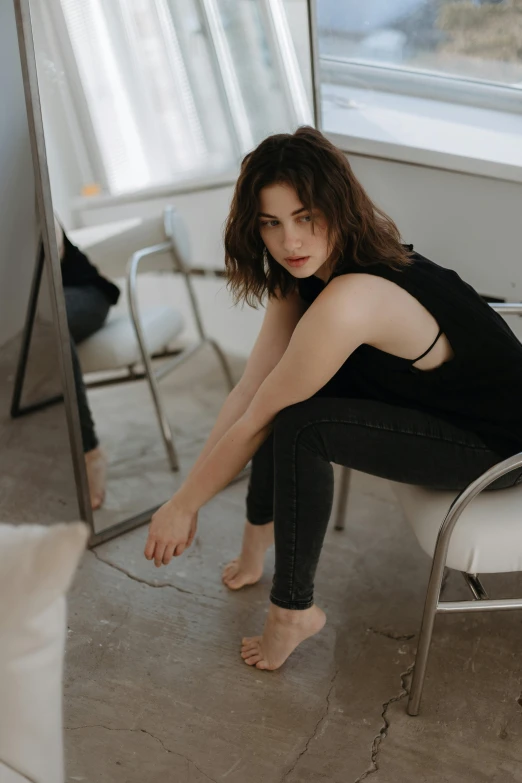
point(284, 630)
point(247, 569)
point(96, 465)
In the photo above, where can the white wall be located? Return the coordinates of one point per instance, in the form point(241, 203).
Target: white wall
point(468, 223)
point(17, 201)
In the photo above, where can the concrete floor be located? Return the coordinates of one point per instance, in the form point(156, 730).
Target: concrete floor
point(154, 686)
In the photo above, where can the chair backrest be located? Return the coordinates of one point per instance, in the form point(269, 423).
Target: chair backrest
point(176, 230)
point(111, 246)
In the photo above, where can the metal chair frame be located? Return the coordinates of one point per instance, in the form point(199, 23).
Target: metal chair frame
point(433, 605)
point(154, 375)
point(150, 374)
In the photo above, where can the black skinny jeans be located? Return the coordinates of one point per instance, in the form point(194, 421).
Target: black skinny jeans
point(292, 479)
point(87, 308)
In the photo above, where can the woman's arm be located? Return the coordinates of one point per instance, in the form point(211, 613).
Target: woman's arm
point(281, 318)
point(333, 327)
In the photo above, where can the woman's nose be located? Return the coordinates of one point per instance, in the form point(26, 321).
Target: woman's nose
point(291, 241)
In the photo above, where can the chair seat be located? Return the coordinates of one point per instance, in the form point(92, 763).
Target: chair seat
point(487, 537)
point(115, 345)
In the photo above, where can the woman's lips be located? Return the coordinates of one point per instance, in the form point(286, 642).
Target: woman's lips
point(300, 261)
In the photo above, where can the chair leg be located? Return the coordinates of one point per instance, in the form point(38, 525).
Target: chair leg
point(426, 632)
point(166, 432)
point(475, 585)
point(199, 321)
point(342, 500)
point(224, 363)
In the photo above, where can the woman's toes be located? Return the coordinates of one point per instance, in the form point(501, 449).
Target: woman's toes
point(249, 643)
point(253, 659)
point(247, 639)
point(235, 582)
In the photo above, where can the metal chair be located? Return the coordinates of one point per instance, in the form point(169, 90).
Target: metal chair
point(474, 546)
point(134, 338)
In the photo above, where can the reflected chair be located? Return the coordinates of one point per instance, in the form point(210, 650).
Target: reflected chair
point(130, 339)
point(487, 539)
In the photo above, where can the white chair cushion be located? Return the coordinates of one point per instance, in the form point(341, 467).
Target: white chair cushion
point(115, 345)
point(487, 537)
point(37, 564)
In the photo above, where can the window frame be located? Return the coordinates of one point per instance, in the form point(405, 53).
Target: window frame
point(426, 84)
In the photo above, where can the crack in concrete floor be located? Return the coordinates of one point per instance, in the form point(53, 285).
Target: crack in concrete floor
point(378, 738)
point(383, 732)
point(153, 584)
point(391, 635)
point(143, 731)
point(322, 719)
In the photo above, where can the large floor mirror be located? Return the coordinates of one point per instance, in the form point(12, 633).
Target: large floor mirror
point(140, 401)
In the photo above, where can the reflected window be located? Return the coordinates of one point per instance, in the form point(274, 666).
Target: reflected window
point(171, 90)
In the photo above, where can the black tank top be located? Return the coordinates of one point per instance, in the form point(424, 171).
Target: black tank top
point(479, 390)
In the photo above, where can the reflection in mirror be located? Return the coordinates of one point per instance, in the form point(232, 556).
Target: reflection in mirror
point(36, 470)
point(136, 433)
point(36, 466)
point(138, 100)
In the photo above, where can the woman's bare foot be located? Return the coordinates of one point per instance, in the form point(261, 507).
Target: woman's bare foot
point(96, 465)
point(248, 567)
point(284, 630)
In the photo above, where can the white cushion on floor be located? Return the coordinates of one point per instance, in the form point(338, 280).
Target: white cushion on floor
point(486, 539)
point(37, 564)
point(115, 345)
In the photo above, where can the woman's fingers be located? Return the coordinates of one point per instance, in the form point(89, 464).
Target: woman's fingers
point(171, 531)
point(163, 553)
point(168, 553)
point(158, 553)
point(149, 547)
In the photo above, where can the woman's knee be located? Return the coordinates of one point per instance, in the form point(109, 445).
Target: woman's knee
point(300, 424)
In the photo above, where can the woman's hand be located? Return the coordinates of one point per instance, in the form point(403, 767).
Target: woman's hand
point(171, 531)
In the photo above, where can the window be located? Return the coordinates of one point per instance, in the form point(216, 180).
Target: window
point(463, 51)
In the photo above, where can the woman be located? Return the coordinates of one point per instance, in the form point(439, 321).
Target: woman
point(369, 356)
point(88, 298)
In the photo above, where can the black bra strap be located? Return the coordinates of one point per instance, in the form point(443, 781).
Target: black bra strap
point(429, 349)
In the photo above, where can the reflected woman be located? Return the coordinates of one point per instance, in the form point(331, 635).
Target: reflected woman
point(88, 299)
point(369, 356)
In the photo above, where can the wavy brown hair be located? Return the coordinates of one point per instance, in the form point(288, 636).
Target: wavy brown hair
point(323, 179)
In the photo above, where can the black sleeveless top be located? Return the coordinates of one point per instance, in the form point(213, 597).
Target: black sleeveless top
point(77, 270)
point(479, 390)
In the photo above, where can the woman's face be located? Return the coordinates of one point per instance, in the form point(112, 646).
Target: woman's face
point(286, 229)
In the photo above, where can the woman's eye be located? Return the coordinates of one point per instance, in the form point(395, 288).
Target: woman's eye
point(269, 223)
point(306, 218)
